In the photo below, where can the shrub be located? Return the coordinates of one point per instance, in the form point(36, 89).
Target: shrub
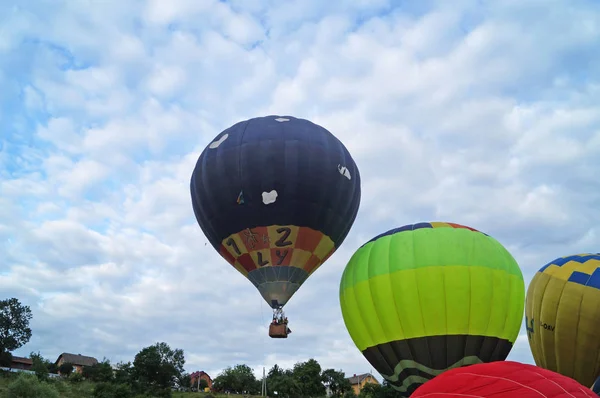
point(29, 386)
point(76, 377)
point(64, 389)
point(109, 390)
point(66, 369)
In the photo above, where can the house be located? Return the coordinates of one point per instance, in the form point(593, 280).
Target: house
point(200, 375)
point(78, 361)
point(358, 381)
point(21, 363)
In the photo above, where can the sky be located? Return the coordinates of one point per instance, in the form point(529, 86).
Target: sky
point(482, 113)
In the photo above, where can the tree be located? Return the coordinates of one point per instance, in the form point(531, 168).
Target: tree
point(14, 324)
point(66, 369)
point(275, 371)
point(39, 365)
point(158, 366)
point(337, 382)
point(123, 373)
point(184, 381)
point(5, 359)
point(282, 382)
point(239, 379)
point(387, 391)
point(285, 385)
point(99, 372)
point(371, 390)
point(308, 375)
point(203, 384)
point(52, 367)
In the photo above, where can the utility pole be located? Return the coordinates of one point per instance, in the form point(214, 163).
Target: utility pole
point(264, 384)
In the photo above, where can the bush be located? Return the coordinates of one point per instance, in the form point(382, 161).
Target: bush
point(29, 386)
point(75, 377)
point(64, 389)
point(109, 390)
point(66, 369)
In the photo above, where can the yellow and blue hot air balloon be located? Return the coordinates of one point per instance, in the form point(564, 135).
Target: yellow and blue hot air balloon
point(562, 315)
point(276, 196)
point(428, 297)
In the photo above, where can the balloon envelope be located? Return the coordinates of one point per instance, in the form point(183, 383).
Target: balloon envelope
point(562, 316)
point(502, 379)
point(275, 196)
point(425, 298)
point(596, 386)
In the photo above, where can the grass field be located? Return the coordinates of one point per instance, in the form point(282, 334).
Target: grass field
point(84, 389)
point(202, 394)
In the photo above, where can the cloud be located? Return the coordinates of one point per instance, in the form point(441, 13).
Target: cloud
point(479, 113)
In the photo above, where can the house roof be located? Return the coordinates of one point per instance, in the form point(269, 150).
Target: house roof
point(26, 361)
point(357, 379)
point(200, 374)
point(80, 360)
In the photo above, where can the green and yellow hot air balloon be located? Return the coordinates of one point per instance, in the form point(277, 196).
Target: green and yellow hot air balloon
point(562, 315)
point(424, 298)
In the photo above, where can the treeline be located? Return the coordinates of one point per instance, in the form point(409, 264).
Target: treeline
point(304, 380)
point(157, 370)
point(154, 372)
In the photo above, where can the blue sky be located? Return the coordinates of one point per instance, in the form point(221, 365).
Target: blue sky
point(482, 113)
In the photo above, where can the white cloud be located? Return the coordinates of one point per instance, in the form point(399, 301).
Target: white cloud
point(482, 115)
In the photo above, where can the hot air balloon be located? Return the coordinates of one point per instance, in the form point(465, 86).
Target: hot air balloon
point(276, 196)
point(596, 386)
point(428, 297)
point(562, 315)
point(502, 379)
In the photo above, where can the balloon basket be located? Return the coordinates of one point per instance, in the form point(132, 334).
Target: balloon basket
point(278, 331)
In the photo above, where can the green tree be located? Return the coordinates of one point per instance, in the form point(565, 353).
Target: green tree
point(185, 381)
point(39, 366)
point(14, 324)
point(52, 367)
point(387, 391)
point(308, 375)
point(239, 379)
point(337, 382)
point(285, 385)
point(99, 372)
point(6, 359)
point(203, 384)
point(275, 371)
point(370, 390)
point(66, 369)
point(378, 391)
point(123, 373)
point(158, 366)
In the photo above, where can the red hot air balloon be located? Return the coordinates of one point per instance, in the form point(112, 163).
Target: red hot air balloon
point(504, 379)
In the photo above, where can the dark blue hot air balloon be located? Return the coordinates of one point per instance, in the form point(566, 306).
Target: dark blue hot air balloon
point(276, 196)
